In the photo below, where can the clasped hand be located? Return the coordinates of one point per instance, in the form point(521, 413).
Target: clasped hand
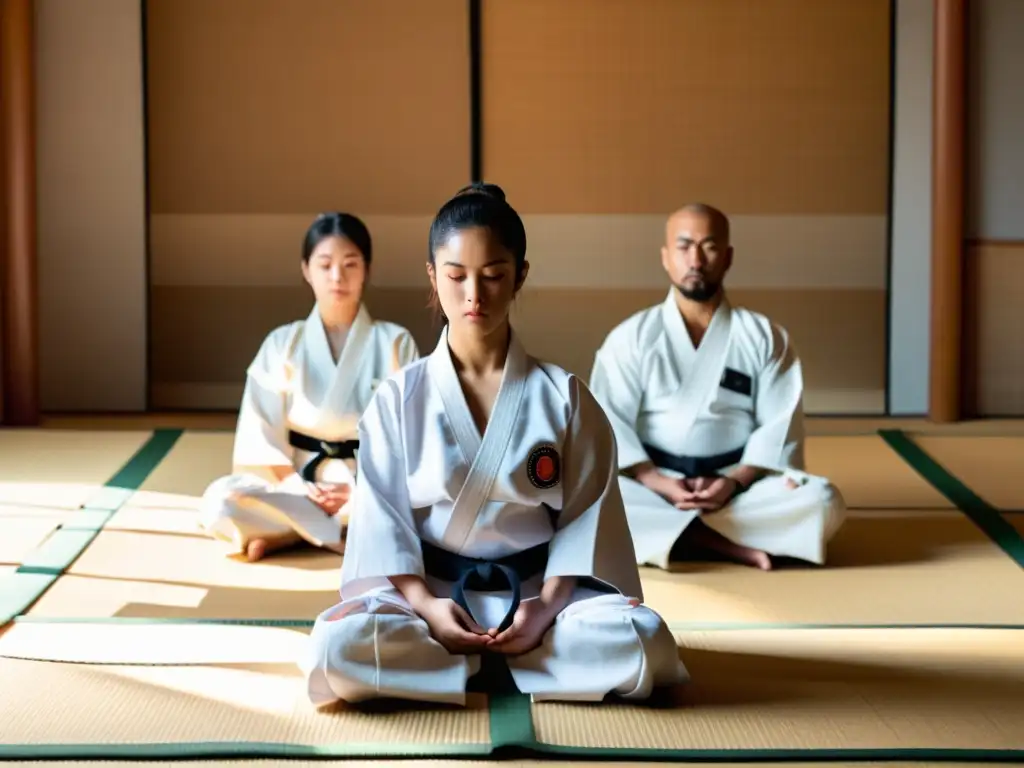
point(330, 497)
point(456, 630)
point(704, 493)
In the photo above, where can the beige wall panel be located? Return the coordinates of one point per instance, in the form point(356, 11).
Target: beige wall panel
point(995, 113)
point(997, 346)
point(210, 334)
point(572, 251)
point(636, 106)
point(91, 205)
point(282, 106)
point(266, 250)
point(204, 337)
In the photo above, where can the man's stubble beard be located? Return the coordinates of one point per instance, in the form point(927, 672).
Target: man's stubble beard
point(703, 293)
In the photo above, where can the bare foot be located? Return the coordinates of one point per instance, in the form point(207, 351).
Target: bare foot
point(743, 555)
point(257, 549)
point(757, 558)
point(701, 536)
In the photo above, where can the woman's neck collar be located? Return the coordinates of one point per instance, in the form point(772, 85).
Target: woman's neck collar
point(338, 318)
point(478, 354)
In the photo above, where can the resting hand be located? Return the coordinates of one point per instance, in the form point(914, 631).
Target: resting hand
point(673, 490)
point(330, 497)
point(708, 493)
point(532, 620)
point(451, 626)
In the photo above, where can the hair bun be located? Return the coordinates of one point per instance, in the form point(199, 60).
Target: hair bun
point(483, 188)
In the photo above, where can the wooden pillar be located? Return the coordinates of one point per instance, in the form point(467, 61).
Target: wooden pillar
point(19, 348)
point(948, 180)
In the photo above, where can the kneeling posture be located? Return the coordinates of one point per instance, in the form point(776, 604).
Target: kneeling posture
point(487, 521)
point(294, 452)
point(706, 403)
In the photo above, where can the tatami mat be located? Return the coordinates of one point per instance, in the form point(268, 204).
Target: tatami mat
point(61, 468)
point(820, 690)
point(863, 425)
point(154, 670)
point(870, 474)
point(168, 519)
point(889, 567)
point(991, 466)
point(752, 692)
point(20, 534)
point(153, 642)
point(128, 573)
point(883, 568)
point(195, 461)
point(168, 500)
point(256, 702)
point(15, 510)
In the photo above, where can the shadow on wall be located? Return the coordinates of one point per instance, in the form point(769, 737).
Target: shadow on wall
point(205, 337)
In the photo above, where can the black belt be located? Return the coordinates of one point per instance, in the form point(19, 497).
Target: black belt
point(322, 450)
point(693, 466)
point(485, 575)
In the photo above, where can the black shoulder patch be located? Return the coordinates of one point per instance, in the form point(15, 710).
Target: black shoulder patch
point(737, 382)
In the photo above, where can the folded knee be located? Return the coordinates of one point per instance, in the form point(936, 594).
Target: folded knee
point(648, 623)
point(819, 491)
point(610, 611)
point(366, 620)
point(830, 496)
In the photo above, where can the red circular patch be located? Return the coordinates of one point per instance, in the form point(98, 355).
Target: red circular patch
point(543, 467)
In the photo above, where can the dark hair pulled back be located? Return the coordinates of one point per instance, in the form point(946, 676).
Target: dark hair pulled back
point(335, 224)
point(480, 205)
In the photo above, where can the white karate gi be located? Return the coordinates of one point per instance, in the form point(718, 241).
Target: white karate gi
point(427, 475)
point(294, 384)
point(740, 391)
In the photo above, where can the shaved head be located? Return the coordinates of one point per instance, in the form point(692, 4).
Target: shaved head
point(697, 252)
point(718, 222)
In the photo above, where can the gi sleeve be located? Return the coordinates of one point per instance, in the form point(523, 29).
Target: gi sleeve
point(592, 536)
point(261, 433)
point(777, 442)
point(616, 382)
point(382, 538)
point(403, 351)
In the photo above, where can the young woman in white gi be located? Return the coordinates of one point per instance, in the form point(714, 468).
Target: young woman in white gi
point(488, 518)
point(294, 452)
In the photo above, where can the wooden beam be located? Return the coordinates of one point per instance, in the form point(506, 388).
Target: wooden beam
point(20, 346)
point(948, 179)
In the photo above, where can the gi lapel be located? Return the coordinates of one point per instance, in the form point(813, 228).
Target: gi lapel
point(345, 375)
point(701, 376)
point(318, 365)
point(485, 455)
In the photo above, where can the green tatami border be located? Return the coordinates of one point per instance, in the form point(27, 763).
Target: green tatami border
point(47, 562)
point(504, 750)
point(989, 519)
